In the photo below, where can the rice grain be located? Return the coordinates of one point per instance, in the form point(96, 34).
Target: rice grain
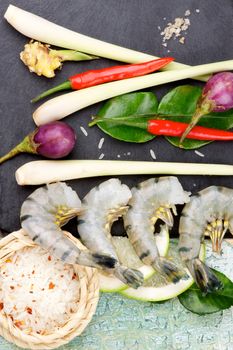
point(101, 142)
point(101, 156)
point(84, 131)
point(199, 153)
point(152, 153)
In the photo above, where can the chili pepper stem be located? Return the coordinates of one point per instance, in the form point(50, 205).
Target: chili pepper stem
point(71, 55)
point(140, 125)
point(95, 120)
point(126, 120)
point(64, 86)
point(25, 146)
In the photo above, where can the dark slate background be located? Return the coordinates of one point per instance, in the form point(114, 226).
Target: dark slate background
point(133, 24)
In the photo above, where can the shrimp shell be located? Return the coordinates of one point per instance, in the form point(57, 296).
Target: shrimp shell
point(151, 200)
point(44, 212)
point(210, 212)
point(103, 205)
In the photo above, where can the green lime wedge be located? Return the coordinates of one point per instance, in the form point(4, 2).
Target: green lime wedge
point(128, 257)
point(157, 288)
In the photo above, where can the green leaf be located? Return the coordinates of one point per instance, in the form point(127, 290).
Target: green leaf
point(180, 101)
point(179, 105)
point(128, 105)
point(194, 301)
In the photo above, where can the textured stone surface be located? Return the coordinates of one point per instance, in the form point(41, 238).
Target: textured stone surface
point(124, 324)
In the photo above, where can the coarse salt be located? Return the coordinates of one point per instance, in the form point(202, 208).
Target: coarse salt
point(37, 300)
point(174, 29)
point(181, 40)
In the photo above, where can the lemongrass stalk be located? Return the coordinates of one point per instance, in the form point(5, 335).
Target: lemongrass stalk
point(63, 105)
point(47, 171)
point(40, 29)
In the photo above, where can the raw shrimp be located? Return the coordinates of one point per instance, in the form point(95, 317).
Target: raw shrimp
point(151, 200)
point(210, 212)
point(103, 205)
point(45, 211)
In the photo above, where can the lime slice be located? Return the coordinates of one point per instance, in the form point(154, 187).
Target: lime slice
point(128, 257)
point(157, 288)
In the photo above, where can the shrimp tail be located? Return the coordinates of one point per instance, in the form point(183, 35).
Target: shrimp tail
point(131, 277)
point(169, 269)
point(204, 276)
point(102, 261)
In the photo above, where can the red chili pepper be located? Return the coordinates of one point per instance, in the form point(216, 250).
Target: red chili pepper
point(171, 128)
point(105, 75)
point(100, 76)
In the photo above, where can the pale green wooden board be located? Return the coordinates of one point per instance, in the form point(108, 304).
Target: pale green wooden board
point(121, 323)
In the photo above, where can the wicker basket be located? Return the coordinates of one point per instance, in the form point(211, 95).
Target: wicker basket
point(89, 295)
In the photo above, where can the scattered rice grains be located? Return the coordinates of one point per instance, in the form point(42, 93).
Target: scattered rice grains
point(152, 153)
point(175, 29)
point(38, 293)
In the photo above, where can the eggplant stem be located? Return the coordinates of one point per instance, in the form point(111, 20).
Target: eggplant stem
point(22, 147)
point(196, 117)
point(204, 106)
point(16, 150)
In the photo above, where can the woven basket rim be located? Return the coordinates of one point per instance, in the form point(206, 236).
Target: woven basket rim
point(89, 296)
